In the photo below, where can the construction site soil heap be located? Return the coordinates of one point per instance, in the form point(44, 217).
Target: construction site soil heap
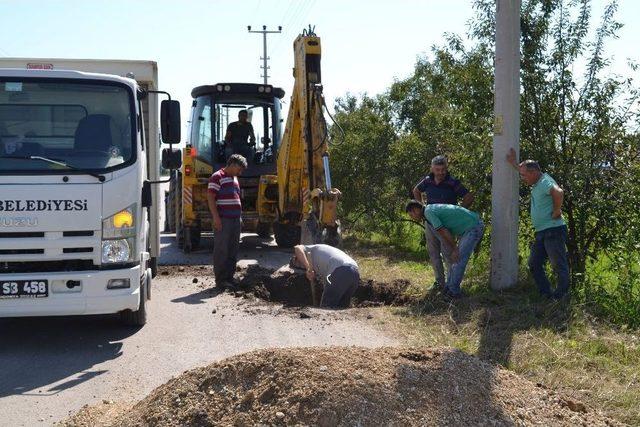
point(340, 386)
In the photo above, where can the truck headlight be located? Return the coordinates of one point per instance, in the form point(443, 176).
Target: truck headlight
point(115, 251)
point(118, 236)
point(120, 224)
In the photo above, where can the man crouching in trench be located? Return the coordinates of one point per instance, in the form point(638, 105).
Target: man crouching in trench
point(337, 272)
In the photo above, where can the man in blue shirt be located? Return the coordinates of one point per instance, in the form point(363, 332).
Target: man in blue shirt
point(440, 188)
point(550, 241)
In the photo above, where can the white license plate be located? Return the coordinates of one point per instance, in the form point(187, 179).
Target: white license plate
point(24, 289)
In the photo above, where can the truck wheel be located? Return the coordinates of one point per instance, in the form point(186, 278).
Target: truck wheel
point(153, 265)
point(263, 230)
point(287, 235)
point(138, 317)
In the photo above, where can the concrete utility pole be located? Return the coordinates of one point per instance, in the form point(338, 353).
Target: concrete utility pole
point(506, 135)
point(264, 57)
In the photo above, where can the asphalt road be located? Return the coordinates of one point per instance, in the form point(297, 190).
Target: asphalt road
point(50, 367)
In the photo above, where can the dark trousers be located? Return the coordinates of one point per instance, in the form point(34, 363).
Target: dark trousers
point(340, 286)
point(550, 244)
point(226, 243)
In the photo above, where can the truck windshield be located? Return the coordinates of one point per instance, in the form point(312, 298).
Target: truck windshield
point(86, 125)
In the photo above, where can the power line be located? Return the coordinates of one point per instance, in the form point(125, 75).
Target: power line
point(292, 26)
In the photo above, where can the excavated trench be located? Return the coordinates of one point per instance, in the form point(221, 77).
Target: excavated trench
point(293, 289)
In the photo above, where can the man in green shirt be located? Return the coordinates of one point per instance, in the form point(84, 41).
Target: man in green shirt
point(451, 222)
point(550, 229)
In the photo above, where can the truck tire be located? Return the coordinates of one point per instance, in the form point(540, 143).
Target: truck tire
point(287, 235)
point(153, 265)
point(263, 230)
point(139, 317)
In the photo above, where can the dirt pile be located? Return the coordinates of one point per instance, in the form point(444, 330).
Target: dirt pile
point(291, 288)
point(347, 387)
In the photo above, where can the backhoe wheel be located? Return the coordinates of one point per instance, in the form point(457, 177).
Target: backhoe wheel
point(171, 203)
point(331, 236)
point(287, 235)
point(195, 236)
point(138, 317)
point(187, 240)
point(180, 236)
point(177, 210)
point(263, 230)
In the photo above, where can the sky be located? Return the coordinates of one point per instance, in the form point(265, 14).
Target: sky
point(365, 44)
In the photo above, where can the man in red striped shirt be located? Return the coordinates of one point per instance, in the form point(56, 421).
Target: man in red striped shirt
point(226, 209)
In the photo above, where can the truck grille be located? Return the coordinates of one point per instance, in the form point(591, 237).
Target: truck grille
point(77, 249)
point(20, 251)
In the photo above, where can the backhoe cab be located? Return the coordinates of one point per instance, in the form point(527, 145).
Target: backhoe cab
point(214, 108)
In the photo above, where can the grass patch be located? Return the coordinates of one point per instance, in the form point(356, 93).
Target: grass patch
point(557, 344)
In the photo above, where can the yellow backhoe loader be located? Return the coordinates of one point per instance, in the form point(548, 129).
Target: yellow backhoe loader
point(287, 185)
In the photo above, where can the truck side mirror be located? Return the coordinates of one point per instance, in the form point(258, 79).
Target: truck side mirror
point(170, 121)
point(171, 158)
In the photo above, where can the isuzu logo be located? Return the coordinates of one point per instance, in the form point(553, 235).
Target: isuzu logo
point(18, 222)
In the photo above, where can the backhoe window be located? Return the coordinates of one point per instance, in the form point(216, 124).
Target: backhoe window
point(254, 139)
point(201, 132)
point(217, 130)
point(86, 125)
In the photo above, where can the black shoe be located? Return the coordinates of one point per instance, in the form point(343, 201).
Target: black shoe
point(560, 297)
point(436, 287)
point(451, 295)
point(227, 285)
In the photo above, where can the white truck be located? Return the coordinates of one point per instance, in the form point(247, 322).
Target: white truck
point(79, 156)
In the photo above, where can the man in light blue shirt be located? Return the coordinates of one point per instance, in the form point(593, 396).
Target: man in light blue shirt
point(550, 229)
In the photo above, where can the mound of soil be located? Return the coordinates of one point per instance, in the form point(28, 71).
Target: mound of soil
point(348, 387)
point(293, 289)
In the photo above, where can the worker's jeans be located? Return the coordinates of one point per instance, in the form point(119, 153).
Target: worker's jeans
point(550, 244)
point(466, 244)
point(435, 249)
point(226, 243)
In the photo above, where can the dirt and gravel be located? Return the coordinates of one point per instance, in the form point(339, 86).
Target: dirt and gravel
point(54, 366)
point(347, 386)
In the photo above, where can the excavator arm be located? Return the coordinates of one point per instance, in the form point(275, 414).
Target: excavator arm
point(307, 202)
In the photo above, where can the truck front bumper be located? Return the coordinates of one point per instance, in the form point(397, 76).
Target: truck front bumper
point(91, 297)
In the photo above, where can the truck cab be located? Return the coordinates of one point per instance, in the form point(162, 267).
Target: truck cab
point(76, 204)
